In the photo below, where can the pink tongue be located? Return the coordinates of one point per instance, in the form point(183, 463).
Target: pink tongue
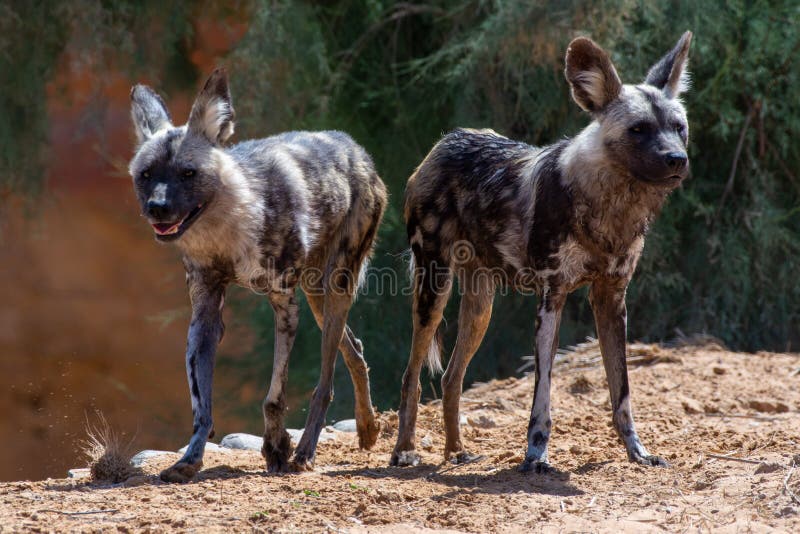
point(165, 228)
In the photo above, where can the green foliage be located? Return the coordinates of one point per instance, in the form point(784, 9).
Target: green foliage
point(397, 75)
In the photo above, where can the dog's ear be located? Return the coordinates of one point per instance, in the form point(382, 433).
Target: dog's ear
point(591, 75)
point(212, 113)
point(671, 73)
point(148, 111)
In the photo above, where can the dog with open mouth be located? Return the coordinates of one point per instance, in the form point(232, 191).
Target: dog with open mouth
point(298, 209)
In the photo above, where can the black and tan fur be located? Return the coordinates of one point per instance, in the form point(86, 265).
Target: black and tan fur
point(549, 219)
point(296, 209)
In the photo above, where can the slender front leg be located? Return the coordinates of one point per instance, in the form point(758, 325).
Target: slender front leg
point(277, 444)
point(548, 319)
point(206, 290)
point(611, 318)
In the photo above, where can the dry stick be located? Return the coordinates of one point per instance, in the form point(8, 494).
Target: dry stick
point(786, 485)
point(109, 511)
point(742, 416)
point(451, 468)
point(733, 458)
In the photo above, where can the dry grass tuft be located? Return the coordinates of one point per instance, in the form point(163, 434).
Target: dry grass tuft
point(109, 455)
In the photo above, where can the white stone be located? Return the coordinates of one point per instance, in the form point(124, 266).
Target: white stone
point(295, 435)
point(242, 441)
point(141, 457)
point(210, 447)
point(346, 425)
point(79, 472)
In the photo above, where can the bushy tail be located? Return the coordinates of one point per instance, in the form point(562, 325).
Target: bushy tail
point(433, 361)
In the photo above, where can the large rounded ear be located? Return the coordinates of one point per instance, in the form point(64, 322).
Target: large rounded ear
point(591, 75)
point(671, 73)
point(148, 111)
point(212, 113)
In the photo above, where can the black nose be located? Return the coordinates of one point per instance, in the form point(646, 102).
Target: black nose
point(158, 210)
point(676, 160)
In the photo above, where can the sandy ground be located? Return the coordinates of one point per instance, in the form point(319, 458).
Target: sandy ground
point(727, 422)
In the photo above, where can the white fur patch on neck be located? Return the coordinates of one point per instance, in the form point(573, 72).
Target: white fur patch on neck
point(231, 225)
point(583, 157)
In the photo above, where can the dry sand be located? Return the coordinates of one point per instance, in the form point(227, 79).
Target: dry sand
point(693, 405)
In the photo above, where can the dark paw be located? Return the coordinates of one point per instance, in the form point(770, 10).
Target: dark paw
point(404, 459)
point(277, 454)
point(535, 466)
point(650, 460)
point(465, 457)
point(368, 432)
point(181, 472)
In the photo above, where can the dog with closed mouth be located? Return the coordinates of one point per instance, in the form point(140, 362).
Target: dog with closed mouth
point(550, 219)
point(299, 209)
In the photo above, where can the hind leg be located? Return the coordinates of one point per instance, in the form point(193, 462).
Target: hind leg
point(432, 285)
point(353, 352)
point(473, 320)
point(335, 308)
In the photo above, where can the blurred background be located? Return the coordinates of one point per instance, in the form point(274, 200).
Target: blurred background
point(93, 312)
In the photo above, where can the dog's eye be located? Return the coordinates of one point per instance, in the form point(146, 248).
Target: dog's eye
point(640, 128)
point(679, 127)
point(189, 173)
point(146, 174)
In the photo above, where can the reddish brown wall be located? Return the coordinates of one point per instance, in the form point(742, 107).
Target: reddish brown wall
point(83, 284)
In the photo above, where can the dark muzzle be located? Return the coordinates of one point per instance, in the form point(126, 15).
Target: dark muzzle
point(676, 161)
point(157, 210)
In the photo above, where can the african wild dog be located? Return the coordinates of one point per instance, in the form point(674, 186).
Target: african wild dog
point(299, 208)
point(550, 219)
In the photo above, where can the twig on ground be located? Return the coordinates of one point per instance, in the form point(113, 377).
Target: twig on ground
point(786, 485)
point(436, 498)
point(88, 512)
point(452, 467)
point(741, 416)
point(590, 504)
point(375, 473)
point(733, 458)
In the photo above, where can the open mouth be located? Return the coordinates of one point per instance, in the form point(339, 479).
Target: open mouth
point(173, 230)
